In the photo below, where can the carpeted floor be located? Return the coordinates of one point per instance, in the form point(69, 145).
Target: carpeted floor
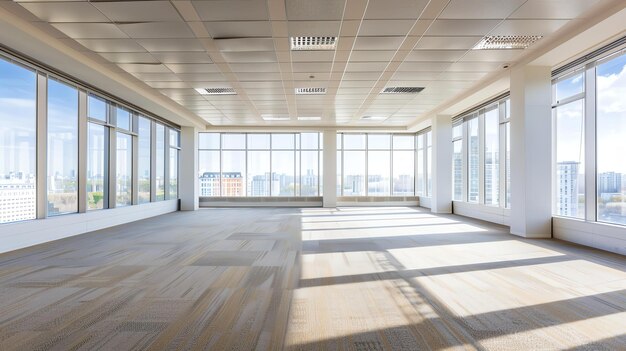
point(311, 279)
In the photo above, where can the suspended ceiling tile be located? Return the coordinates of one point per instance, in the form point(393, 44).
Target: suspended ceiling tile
point(136, 11)
point(65, 11)
point(193, 68)
point(144, 68)
point(528, 27)
point(461, 27)
point(492, 55)
point(232, 10)
point(201, 77)
point(245, 44)
point(129, 57)
point(423, 66)
point(480, 9)
point(254, 67)
point(167, 84)
point(313, 28)
point(553, 9)
point(159, 45)
point(318, 10)
point(369, 55)
point(447, 43)
point(378, 43)
point(312, 56)
point(385, 27)
point(157, 77)
point(305, 67)
point(181, 57)
point(435, 55)
point(239, 29)
point(111, 45)
point(251, 56)
point(90, 30)
point(394, 9)
point(157, 30)
point(475, 66)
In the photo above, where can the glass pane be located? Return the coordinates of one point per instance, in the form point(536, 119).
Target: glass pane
point(124, 170)
point(283, 172)
point(429, 162)
point(259, 172)
point(209, 172)
point(457, 170)
point(570, 187)
point(339, 139)
point(173, 190)
point(457, 131)
point(403, 172)
point(492, 160)
point(508, 165)
point(234, 141)
point(160, 162)
point(233, 171)
point(209, 141)
point(569, 87)
point(507, 108)
point(472, 160)
point(259, 141)
point(354, 141)
point(339, 173)
point(309, 141)
point(62, 148)
point(309, 175)
point(123, 118)
point(379, 141)
point(420, 165)
point(378, 173)
point(17, 143)
point(96, 165)
point(354, 173)
point(611, 141)
point(174, 136)
point(143, 162)
point(97, 108)
point(283, 141)
point(404, 142)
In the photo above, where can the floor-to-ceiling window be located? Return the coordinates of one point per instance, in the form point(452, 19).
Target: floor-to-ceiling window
point(420, 189)
point(378, 164)
point(403, 165)
point(62, 148)
point(259, 164)
point(473, 160)
point(492, 156)
point(160, 162)
point(123, 158)
point(97, 153)
point(174, 145)
point(457, 160)
point(144, 159)
point(18, 137)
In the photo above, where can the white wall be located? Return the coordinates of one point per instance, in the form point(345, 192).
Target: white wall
point(18, 235)
point(492, 214)
point(601, 236)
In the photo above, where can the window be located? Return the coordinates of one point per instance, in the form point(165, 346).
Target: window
point(62, 148)
point(429, 167)
point(378, 164)
point(124, 170)
point(97, 144)
point(174, 145)
point(568, 114)
point(420, 165)
point(492, 156)
point(123, 118)
point(144, 139)
point(610, 140)
point(473, 160)
point(457, 161)
point(18, 116)
point(403, 165)
point(259, 164)
point(160, 162)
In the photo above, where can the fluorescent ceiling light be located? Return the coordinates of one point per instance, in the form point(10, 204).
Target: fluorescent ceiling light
point(216, 91)
point(504, 42)
point(310, 91)
point(274, 118)
point(313, 43)
point(309, 118)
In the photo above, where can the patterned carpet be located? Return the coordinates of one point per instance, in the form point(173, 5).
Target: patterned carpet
point(311, 279)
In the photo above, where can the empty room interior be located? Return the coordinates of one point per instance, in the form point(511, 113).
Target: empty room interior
point(313, 175)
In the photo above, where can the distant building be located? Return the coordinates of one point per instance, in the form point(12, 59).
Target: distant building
point(609, 183)
point(231, 184)
point(567, 177)
point(17, 197)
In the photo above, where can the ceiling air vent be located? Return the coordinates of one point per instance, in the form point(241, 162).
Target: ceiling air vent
point(313, 43)
point(401, 90)
point(310, 91)
point(503, 42)
point(216, 91)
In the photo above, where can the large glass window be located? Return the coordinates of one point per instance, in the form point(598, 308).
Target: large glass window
point(611, 139)
point(144, 139)
point(457, 162)
point(17, 143)
point(421, 143)
point(97, 144)
point(492, 156)
point(403, 165)
point(429, 163)
point(124, 170)
point(569, 122)
point(257, 164)
point(160, 162)
point(473, 160)
point(62, 148)
point(173, 164)
point(353, 173)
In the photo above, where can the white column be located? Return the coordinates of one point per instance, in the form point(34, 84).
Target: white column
point(441, 200)
point(188, 172)
point(531, 156)
point(329, 143)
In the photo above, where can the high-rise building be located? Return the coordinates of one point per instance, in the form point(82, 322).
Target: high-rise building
point(231, 184)
point(609, 183)
point(567, 193)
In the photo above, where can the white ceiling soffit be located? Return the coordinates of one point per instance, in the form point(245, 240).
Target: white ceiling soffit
point(168, 53)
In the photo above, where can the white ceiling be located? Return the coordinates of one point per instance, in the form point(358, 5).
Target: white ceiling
point(177, 46)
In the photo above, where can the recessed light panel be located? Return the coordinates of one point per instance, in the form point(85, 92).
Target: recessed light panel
point(310, 91)
point(309, 118)
point(504, 42)
point(313, 43)
point(216, 91)
point(274, 118)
